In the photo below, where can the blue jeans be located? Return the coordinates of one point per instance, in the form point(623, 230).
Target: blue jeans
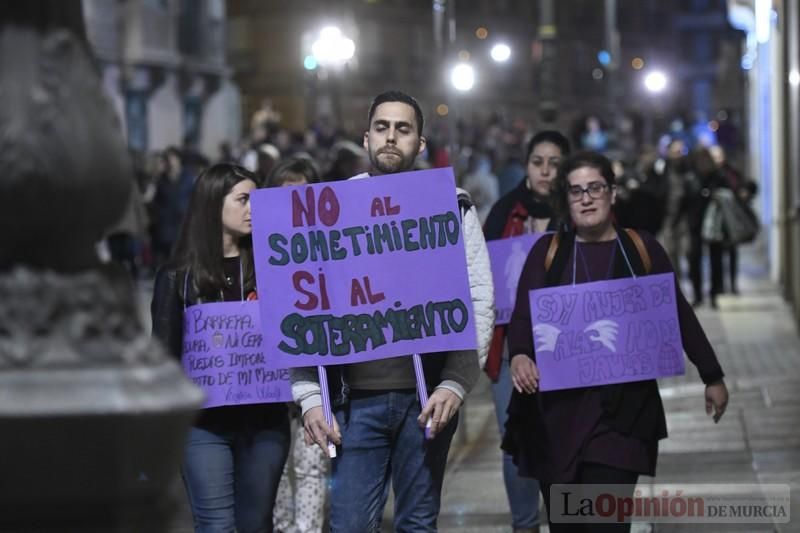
point(231, 478)
point(381, 440)
point(522, 492)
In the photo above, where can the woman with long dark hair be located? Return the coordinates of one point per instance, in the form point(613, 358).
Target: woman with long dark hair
point(600, 434)
point(526, 209)
point(234, 454)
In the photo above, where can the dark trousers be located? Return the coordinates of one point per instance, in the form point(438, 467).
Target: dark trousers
point(715, 252)
point(695, 258)
point(733, 267)
point(594, 474)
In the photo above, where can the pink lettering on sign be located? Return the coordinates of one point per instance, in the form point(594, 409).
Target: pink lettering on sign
point(360, 295)
point(326, 206)
point(312, 300)
point(383, 208)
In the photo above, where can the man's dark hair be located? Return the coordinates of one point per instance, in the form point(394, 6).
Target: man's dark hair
point(560, 185)
point(548, 136)
point(397, 96)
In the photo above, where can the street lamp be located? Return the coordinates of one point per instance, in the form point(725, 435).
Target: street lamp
point(330, 51)
point(500, 52)
point(655, 81)
point(463, 77)
point(332, 47)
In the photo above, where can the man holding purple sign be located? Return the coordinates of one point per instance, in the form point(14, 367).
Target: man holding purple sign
point(379, 423)
point(603, 425)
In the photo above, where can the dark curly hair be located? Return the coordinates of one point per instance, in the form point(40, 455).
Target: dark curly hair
point(560, 185)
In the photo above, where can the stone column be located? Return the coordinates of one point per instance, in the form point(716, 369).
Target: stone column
point(92, 411)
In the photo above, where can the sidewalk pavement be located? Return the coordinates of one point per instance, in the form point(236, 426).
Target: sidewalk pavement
point(757, 441)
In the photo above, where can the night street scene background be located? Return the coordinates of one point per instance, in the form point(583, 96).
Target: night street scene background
point(665, 89)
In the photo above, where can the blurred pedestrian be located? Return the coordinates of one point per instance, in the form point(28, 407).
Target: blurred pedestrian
point(348, 159)
point(593, 137)
point(480, 183)
point(744, 190)
point(701, 182)
point(647, 193)
point(296, 170)
point(676, 172)
point(125, 237)
point(173, 190)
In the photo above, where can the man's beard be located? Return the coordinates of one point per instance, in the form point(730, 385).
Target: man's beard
point(390, 165)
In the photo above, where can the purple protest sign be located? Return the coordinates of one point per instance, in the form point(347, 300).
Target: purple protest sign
point(508, 257)
point(223, 354)
point(606, 332)
point(362, 269)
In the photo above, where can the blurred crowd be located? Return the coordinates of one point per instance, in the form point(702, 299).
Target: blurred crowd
point(665, 189)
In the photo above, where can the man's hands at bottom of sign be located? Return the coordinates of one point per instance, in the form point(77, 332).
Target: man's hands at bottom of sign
point(318, 431)
point(441, 407)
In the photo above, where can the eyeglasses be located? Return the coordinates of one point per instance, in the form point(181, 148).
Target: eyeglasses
point(594, 189)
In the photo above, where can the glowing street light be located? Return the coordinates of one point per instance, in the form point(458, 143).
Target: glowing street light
point(462, 77)
point(332, 47)
point(501, 52)
point(655, 81)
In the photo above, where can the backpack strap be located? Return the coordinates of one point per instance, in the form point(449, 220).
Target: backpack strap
point(551, 251)
point(641, 248)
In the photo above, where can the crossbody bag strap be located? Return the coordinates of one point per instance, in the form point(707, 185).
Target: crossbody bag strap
point(551, 251)
point(641, 248)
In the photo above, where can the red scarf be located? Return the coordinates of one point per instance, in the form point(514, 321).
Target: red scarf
point(515, 225)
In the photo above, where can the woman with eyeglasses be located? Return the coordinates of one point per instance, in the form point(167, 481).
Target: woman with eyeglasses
point(234, 454)
point(604, 434)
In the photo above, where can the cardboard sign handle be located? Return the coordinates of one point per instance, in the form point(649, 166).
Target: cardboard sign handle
point(326, 406)
point(422, 390)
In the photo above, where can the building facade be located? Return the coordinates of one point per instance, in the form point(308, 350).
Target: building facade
point(163, 64)
point(409, 44)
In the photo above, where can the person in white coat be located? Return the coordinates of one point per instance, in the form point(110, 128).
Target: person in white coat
point(378, 418)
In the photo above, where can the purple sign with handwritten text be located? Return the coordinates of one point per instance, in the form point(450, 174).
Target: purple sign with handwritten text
point(224, 354)
point(606, 332)
point(362, 269)
point(508, 257)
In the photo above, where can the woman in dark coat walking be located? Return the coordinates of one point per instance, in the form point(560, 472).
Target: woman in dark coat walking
point(606, 434)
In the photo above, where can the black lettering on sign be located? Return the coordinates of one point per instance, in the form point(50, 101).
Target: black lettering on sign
point(343, 335)
point(555, 309)
point(201, 322)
